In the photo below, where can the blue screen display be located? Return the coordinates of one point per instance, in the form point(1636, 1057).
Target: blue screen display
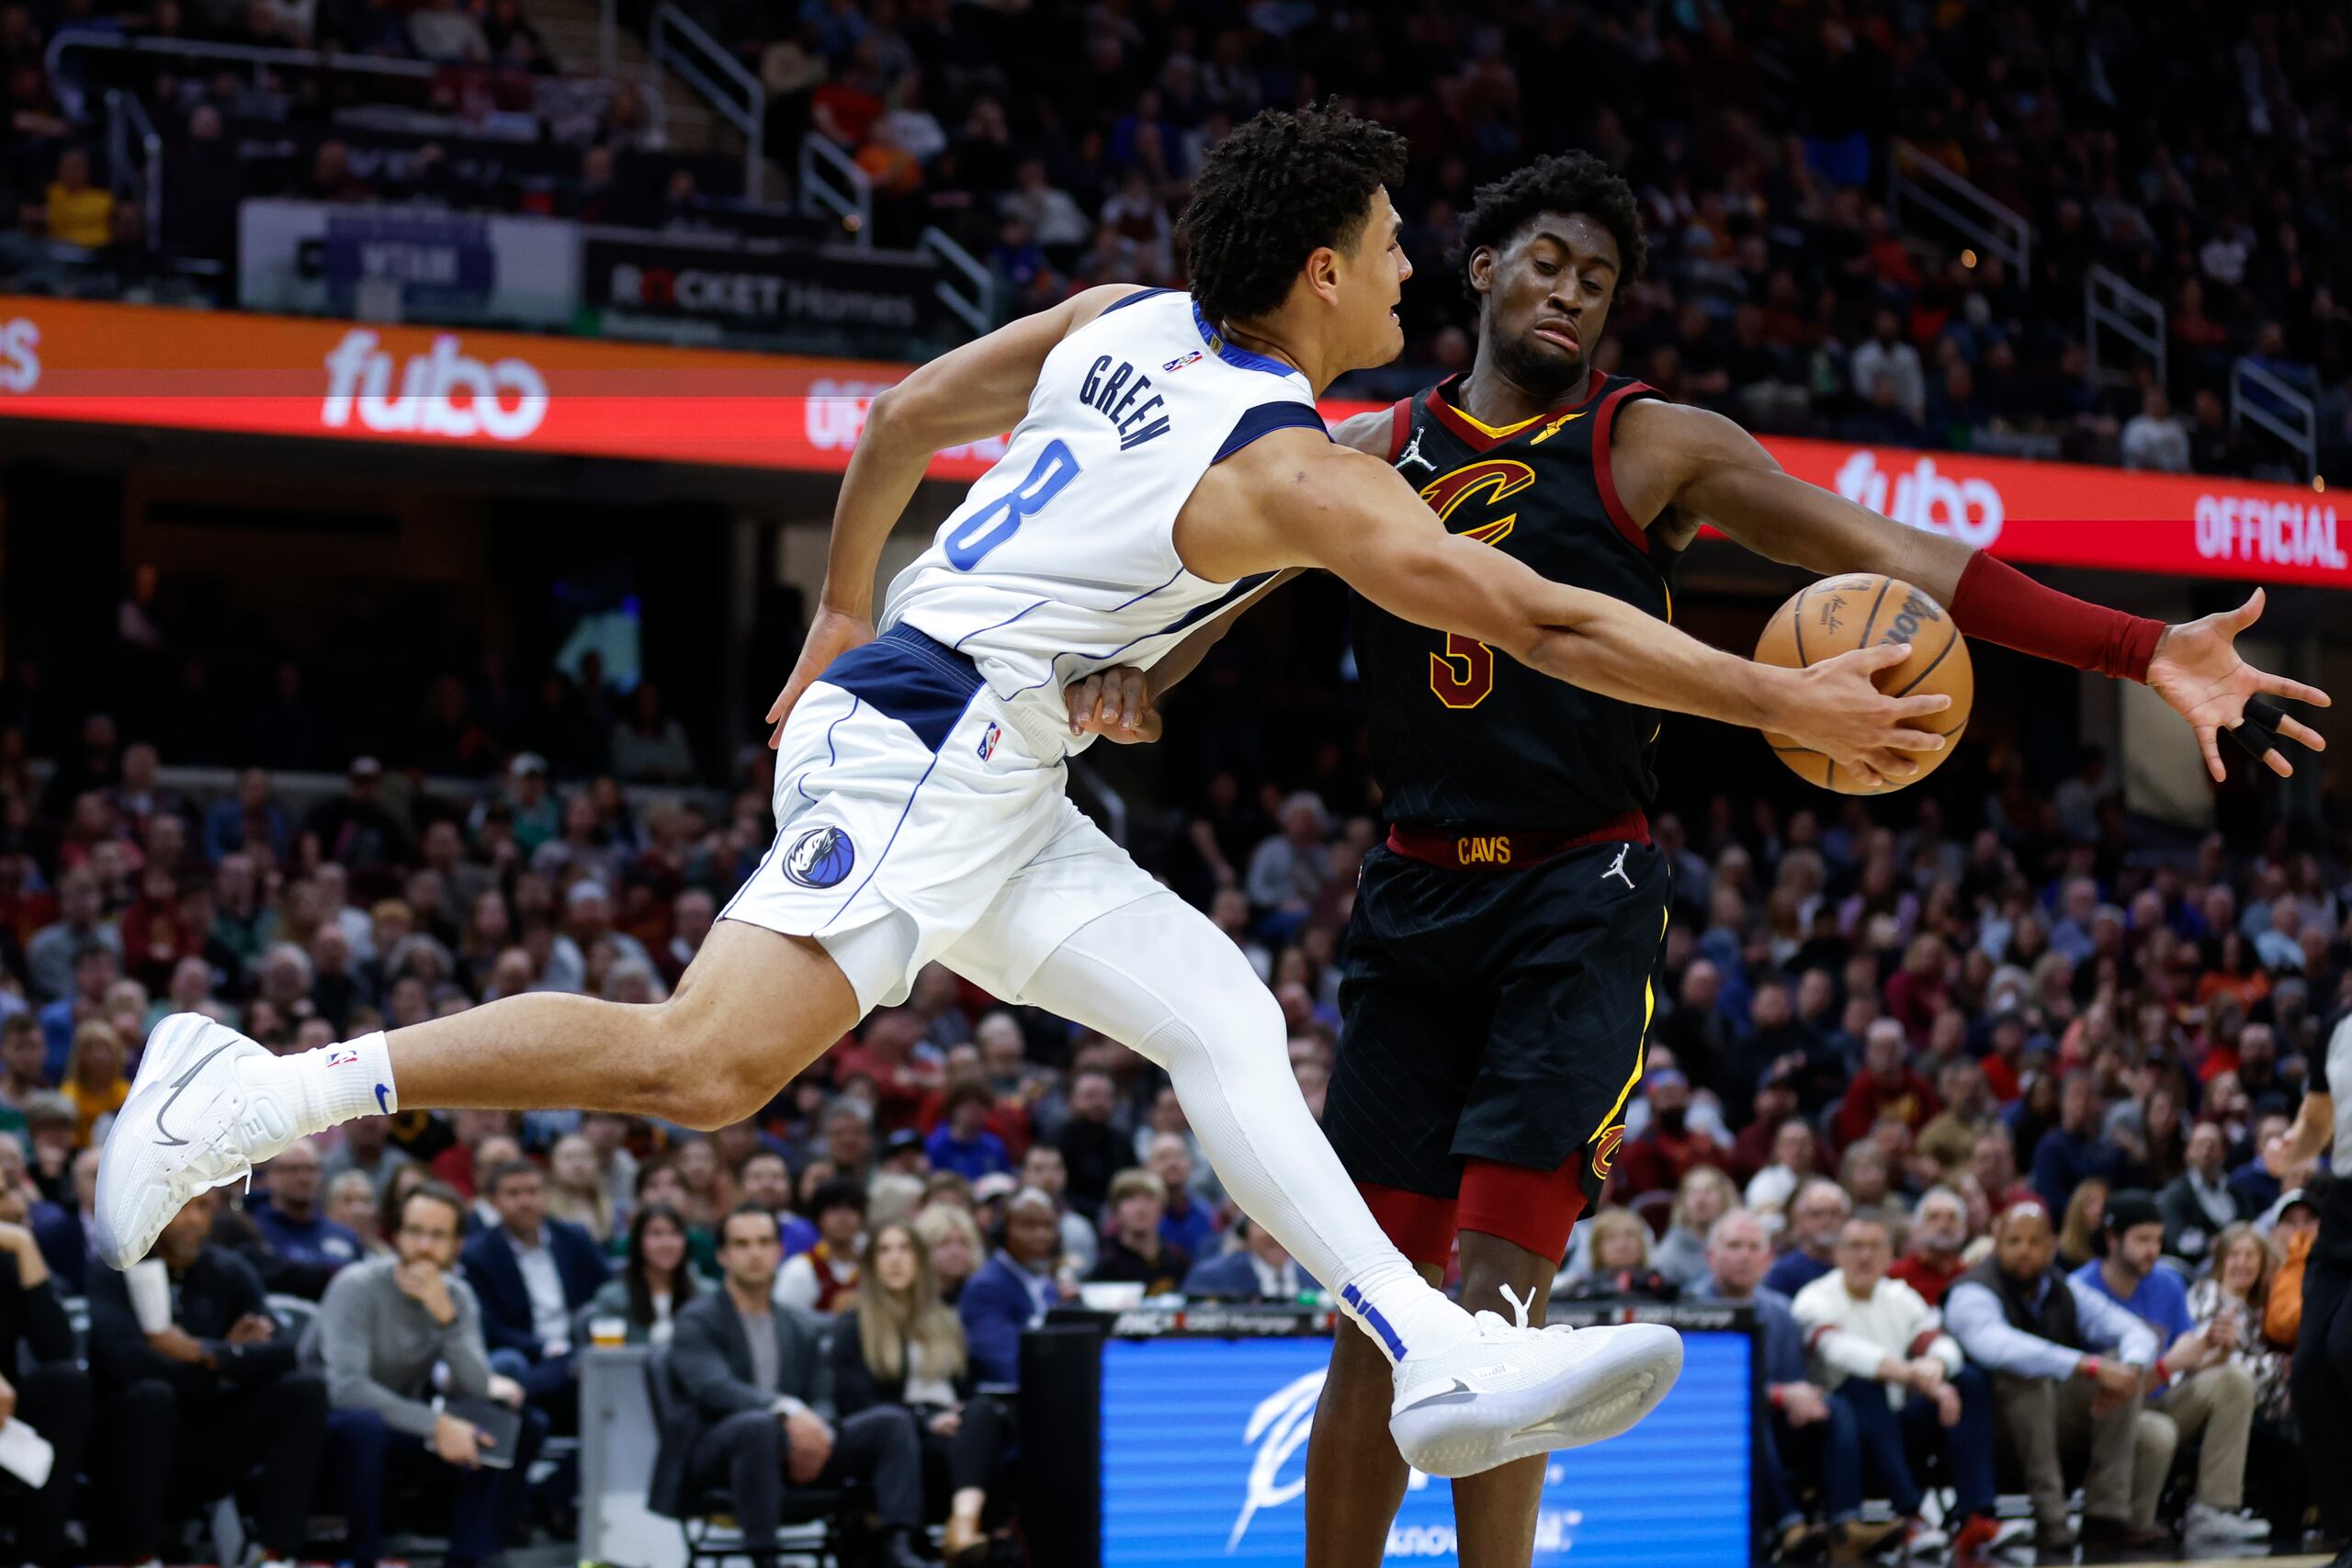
point(1205, 1462)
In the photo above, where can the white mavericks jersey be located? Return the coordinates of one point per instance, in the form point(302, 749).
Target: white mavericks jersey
point(1062, 559)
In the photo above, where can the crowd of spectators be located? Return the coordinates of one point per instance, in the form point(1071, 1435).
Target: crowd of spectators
point(1057, 139)
point(1899, 1048)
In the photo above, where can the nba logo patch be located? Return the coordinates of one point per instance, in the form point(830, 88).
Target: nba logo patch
point(342, 1056)
point(820, 857)
point(988, 742)
point(1180, 364)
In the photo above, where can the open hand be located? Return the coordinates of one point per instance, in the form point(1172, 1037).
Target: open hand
point(1835, 708)
point(2197, 669)
point(832, 634)
point(1115, 703)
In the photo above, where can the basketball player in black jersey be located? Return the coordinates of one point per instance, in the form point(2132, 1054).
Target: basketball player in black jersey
point(1501, 965)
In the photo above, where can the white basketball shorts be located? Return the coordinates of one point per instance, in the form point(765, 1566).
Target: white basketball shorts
point(921, 817)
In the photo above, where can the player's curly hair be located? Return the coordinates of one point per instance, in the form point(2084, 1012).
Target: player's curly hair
point(1558, 182)
point(1272, 192)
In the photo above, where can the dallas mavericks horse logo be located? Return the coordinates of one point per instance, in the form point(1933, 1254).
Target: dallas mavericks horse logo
point(820, 857)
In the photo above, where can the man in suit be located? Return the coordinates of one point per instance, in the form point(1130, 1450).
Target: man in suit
point(756, 1379)
point(186, 1412)
point(48, 1393)
point(1260, 1269)
point(532, 1275)
point(1014, 1289)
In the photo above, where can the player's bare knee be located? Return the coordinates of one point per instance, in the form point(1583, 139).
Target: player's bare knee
point(695, 1069)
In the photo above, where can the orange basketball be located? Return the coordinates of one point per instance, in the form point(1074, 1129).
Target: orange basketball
point(1839, 614)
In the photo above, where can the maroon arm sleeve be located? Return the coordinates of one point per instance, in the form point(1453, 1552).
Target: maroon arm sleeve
point(1998, 603)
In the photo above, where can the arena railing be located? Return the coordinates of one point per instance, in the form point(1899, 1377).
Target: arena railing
point(976, 310)
point(2130, 314)
point(831, 186)
point(128, 125)
point(679, 43)
point(1913, 177)
point(2261, 399)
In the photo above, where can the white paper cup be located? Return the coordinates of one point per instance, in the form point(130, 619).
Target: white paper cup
point(150, 1284)
point(1110, 1295)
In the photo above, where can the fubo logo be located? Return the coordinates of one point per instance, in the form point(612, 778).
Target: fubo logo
point(442, 391)
point(1967, 508)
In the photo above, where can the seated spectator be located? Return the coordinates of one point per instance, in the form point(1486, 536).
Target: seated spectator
point(1658, 1159)
point(441, 30)
point(576, 1189)
point(962, 1142)
point(1043, 1169)
point(351, 1203)
point(2067, 1366)
point(68, 1232)
point(22, 1053)
point(1882, 1350)
point(1621, 1261)
point(390, 1332)
point(1815, 1217)
point(1950, 1137)
point(305, 1247)
point(41, 1384)
point(1136, 1253)
point(2200, 1388)
point(2078, 1233)
point(822, 1279)
point(77, 212)
point(900, 1346)
point(532, 1275)
point(366, 1146)
point(764, 1178)
point(2077, 1149)
point(1705, 1196)
point(1868, 1178)
point(1014, 1289)
point(2198, 1204)
point(758, 1414)
point(186, 1412)
point(94, 968)
point(1795, 1160)
point(1259, 1269)
point(1994, 1163)
point(1805, 1428)
point(2236, 1285)
point(1090, 1143)
point(656, 1278)
point(1886, 1086)
point(95, 1081)
point(1188, 1225)
point(1932, 1259)
point(953, 1242)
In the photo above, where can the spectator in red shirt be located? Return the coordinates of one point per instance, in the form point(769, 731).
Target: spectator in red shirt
point(1662, 1156)
point(1921, 989)
point(1887, 1086)
point(2002, 1065)
point(1938, 1231)
point(904, 1071)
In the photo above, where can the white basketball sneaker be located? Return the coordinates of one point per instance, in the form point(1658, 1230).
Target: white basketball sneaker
point(1509, 1391)
point(196, 1119)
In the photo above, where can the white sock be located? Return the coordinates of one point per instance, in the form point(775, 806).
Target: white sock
point(341, 1083)
point(1159, 976)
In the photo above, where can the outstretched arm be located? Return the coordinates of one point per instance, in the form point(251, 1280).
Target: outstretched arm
point(1293, 499)
point(1707, 469)
point(972, 392)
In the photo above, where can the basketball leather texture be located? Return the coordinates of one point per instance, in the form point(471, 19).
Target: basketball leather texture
point(1840, 613)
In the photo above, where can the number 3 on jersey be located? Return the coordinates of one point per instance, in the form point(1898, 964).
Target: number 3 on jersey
point(994, 523)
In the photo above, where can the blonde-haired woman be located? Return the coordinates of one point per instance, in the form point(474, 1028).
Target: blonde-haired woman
point(2078, 1233)
point(953, 1244)
point(93, 1077)
point(1705, 1195)
point(2236, 1285)
point(1621, 1261)
point(576, 1188)
point(902, 1345)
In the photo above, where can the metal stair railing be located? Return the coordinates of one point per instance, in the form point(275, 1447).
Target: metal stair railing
point(975, 306)
point(2126, 312)
point(833, 186)
point(2262, 399)
point(679, 43)
point(1916, 179)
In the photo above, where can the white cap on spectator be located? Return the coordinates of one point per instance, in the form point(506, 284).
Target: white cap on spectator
point(526, 763)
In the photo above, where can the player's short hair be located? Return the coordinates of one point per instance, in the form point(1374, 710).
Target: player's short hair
point(1267, 196)
point(1558, 182)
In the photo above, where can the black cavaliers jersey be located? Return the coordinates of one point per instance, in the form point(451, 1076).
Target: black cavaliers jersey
point(1460, 734)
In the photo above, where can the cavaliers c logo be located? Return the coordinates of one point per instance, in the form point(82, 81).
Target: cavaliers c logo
point(1604, 1152)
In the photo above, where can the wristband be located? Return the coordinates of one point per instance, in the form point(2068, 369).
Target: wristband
point(2089, 1367)
point(1778, 1394)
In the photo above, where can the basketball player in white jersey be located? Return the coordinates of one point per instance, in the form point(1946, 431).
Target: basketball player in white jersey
point(1165, 459)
